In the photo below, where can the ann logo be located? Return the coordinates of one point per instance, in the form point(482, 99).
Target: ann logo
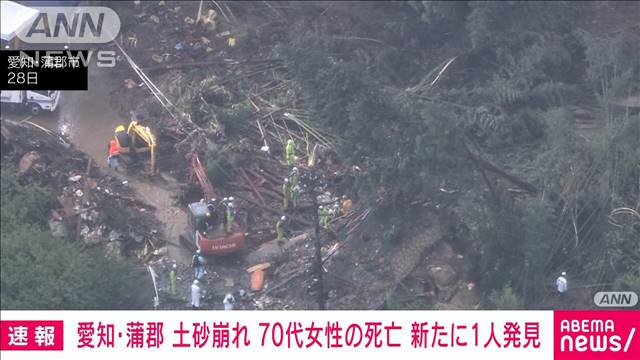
point(616, 299)
point(41, 25)
point(71, 25)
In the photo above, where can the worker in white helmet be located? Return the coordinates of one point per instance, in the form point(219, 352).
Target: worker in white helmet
point(198, 265)
point(561, 284)
point(228, 302)
point(280, 228)
point(195, 295)
point(231, 212)
point(173, 278)
point(286, 192)
point(294, 176)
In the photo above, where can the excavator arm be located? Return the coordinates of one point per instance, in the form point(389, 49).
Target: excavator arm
point(201, 175)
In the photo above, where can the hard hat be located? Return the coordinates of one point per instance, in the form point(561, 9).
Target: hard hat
point(208, 214)
point(120, 128)
point(286, 179)
point(563, 273)
point(290, 141)
point(195, 282)
point(175, 266)
point(320, 207)
point(283, 218)
point(213, 200)
point(225, 199)
point(198, 251)
point(230, 198)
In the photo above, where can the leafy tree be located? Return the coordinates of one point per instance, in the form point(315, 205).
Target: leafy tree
point(43, 272)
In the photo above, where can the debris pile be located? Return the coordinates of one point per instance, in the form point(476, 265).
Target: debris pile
point(92, 209)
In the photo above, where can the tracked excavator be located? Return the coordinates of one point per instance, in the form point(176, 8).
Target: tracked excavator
point(211, 240)
point(136, 141)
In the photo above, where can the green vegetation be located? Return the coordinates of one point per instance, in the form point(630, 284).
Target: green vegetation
point(43, 272)
point(510, 98)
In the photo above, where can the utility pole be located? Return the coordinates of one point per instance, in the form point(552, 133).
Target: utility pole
point(318, 252)
point(314, 185)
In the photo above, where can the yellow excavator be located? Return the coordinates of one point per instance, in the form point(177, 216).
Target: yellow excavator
point(137, 139)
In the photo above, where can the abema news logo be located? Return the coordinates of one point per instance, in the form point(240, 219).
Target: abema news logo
point(596, 335)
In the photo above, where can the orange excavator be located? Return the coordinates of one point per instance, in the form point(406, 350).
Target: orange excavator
point(210, 240)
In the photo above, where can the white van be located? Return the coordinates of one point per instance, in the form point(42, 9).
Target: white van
point(35, 101)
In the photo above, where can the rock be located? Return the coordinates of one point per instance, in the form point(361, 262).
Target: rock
point(443, 276)
point(27, 161)
point(75, 178)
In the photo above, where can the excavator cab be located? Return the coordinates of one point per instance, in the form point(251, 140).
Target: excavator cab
point(135, 140)
point(143, 140)
point(212, 241)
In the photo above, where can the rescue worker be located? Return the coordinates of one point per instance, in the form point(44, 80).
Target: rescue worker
point(561, 284)
point(212, 218)
point(336, 210)
point(290, 152)
point(228, 302)
point(295, 195)
point(224, 204)
point(286, 192)
point(280, 228)
point(231, 212)
point(113, 157)
point(295, 177)
point(195, 295)
point(173, 278)
point(198, 265)
point(323, 214)
point(212, 208)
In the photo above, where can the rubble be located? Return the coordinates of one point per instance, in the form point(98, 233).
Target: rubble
point(89, 212)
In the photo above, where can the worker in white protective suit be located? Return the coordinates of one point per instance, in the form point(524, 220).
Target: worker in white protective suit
point(561, 283)
point(195, 295)
point(228, 302)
